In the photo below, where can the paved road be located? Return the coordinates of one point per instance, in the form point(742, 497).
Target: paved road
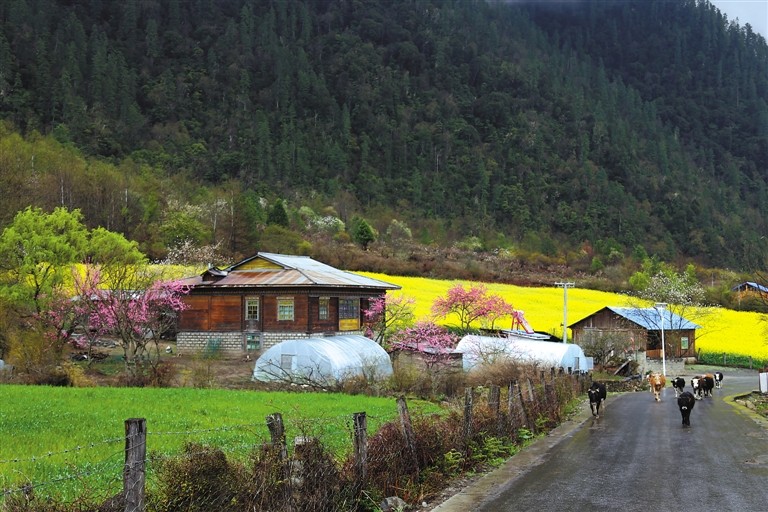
point(638, 457)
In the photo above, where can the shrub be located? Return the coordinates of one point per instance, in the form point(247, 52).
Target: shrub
point(414, 380)
point(736, 360)
point(390, 470)
point(500, 373)
point(76, 376)
point(34, 360)
point(163, 374)
point(355, 385)
point(404, 378)
point(201, 479)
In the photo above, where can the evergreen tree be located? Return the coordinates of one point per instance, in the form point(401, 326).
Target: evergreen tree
point(362, 232)
point(278, 215)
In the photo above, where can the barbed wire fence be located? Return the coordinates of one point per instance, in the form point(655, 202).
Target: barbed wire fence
point(257, 468)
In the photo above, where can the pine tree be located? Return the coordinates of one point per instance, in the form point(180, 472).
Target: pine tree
point(278, 215)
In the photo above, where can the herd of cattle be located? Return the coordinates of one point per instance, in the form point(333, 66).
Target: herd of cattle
point(702, 386)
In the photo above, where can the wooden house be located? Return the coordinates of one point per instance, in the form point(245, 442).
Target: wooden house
point(751, 296)
point(750, 287)
point(643, 328)
point(268, 298)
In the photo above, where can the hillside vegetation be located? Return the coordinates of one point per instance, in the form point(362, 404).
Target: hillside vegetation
point(569, 133)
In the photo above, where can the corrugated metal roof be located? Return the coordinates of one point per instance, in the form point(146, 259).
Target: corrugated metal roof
point(294, 271)
point(649, 318)
point(749, 285)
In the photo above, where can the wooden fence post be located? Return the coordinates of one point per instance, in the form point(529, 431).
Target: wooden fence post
point(531, 409)
point(360, 449)
point(408, 434)
point(279, 444)
point(467, 414)
point(277, 433)
point(513, 405)
point(494, 397)
point(550, 400)
point(522, 413)
point(134, 471)
point(494, 403)
point(577, 385)
point(530, 390)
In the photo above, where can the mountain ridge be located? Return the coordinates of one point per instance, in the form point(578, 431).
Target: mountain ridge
point(585, 132)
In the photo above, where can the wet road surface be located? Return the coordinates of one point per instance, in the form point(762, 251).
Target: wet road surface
point(638, 457)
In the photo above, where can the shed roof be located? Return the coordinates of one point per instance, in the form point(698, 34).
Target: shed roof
point(270, 270)
point(749, 285)
point(650, 319)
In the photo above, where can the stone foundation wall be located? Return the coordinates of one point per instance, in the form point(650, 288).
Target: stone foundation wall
point(237, 341)
point(210, 341)
point(675, 366)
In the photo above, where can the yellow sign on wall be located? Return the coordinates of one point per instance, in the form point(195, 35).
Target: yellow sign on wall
point(349, 324)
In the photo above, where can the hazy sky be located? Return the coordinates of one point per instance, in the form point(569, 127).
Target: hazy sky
point(754, 12)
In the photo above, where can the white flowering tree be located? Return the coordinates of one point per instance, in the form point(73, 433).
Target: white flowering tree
point(677, 292)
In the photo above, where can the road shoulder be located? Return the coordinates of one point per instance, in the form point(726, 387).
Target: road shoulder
point(491, 483)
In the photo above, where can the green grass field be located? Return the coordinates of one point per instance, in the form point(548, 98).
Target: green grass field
point(75, 436)
point(722, 331)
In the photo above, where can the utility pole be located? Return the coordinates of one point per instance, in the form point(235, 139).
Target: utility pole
point(565, 287)
point(661, 307)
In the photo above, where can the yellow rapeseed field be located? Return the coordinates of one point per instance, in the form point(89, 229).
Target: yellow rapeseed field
point(722, 331)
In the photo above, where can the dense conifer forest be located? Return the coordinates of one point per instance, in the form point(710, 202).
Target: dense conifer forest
point(583, 132)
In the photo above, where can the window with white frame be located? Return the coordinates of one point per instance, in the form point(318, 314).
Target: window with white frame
point(285, 309)
point(252, 308)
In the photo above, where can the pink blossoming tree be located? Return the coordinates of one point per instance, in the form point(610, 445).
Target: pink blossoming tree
point(135, 307)
point(64, 314)
point(386, 315)
point(431, 340)
point(498, 309)
point(470, 305)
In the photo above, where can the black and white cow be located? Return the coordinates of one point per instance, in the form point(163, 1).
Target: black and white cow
point(597, 394)
point(678, 383)
point(719, 380)
point(685, 402)
point(696, 384)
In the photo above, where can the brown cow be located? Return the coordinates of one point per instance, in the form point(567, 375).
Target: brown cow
point(657, 382)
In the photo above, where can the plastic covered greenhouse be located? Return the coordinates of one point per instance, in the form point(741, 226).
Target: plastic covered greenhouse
point(477, 350)
point(323, 360)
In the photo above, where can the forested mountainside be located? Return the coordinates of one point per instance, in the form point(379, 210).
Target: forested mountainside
point(598, 126)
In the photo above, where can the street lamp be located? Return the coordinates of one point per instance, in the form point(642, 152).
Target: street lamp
point(565, 287)
point(660, 307)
